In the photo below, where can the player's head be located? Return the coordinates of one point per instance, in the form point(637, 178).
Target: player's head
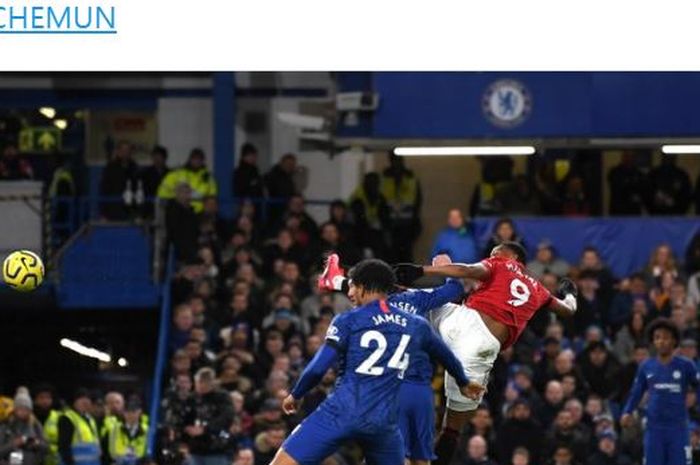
point(369, 278)
point(511, 250)
point(664, 335)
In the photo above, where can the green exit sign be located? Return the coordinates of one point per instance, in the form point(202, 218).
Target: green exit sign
point(45, 139)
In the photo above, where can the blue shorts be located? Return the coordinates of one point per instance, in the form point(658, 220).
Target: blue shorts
point(417, 420)
point(667, 446)
point(319, 436)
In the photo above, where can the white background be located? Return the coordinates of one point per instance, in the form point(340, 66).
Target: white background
point(371, 35)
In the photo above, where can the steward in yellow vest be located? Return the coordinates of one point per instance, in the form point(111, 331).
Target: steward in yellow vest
point(78, 438)
point(128, 437)
point(195, 174)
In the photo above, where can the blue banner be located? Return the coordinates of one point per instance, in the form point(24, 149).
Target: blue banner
point(624, 244)
point(542, 104)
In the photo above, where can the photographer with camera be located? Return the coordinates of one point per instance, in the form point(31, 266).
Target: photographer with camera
point(208, 422)
point(22, 440)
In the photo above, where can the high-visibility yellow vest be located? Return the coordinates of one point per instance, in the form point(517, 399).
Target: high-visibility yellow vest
point(201, 182)
point(402, 196)
point(86, 443)
point(371, 210)
point(51, 434)
point(123, 449)
point(111, 420)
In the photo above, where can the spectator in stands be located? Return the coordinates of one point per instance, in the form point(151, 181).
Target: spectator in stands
point(284, 249)
point(175, 403)
point(183, 320)
point(267, 443)
point(546, 261)
point(127, 437)
point(627, 186)
point(244, 457)
point(114, 412)
point(14, 167)
point(564, 434)
point(688, 348)
point(632, 289)
point(195, 174)
point(372, 216)
point(520, 456)
point(482, 424)
point(574, 200)
point(591, 261)
point(521, 199)
point(630, 336)
point(340, 217)
point(77, 432)
point(151, 176)
point(296, 208)
point(209, 421)
point(519, 430)
point(118, 180)
point(662, 260)
point(47, 415)
point(503, 231)
point(402, 192)
point(607, 453)
point(669, 190)
point(332, 242)
point(600, 369)
point(247, 181)
point(279, 182)
point(456, 239)
point(22, 439)
point(563, 455)
point(477, 452)
point(553, 403)
point(181, 224)
point(547, 188)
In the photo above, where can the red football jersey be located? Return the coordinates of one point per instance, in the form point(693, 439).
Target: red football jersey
point(509, 296)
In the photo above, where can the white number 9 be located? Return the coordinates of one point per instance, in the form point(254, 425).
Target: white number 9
point(520, 292)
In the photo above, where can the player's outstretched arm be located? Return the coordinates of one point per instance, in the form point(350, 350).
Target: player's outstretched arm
point(566, 306)
point(425, 300)
point(311, 376)
point(439, 350)
point(407, 273)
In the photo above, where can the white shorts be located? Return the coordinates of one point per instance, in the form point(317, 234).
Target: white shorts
point(466, 334)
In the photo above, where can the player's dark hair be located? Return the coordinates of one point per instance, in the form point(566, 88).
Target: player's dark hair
point(517, 249)
point(663, 323)
point(373, 275)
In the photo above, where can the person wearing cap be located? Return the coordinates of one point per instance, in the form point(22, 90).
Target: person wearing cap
point(48, 416)
point(21, 437)
point(196, 175)
point(78, 436)
point(667, 379)
point(607, 452)
point(546, 261)
point(127, 436)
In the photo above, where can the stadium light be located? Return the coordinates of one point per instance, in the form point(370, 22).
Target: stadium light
point(465, 151)
point(122, 362)
point(85, 351)
point(680, 149)
point(49, 112)
point(60, 124)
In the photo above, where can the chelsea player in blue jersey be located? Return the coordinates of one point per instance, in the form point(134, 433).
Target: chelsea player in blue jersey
point(374, 345)
point(416, 402)
point(667, 379)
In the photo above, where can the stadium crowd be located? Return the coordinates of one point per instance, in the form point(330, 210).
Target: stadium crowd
point(247, 317)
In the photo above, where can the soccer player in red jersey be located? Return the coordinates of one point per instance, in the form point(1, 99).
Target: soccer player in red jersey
point(490, 320)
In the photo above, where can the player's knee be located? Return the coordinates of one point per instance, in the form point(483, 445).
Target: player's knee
point(456, 419)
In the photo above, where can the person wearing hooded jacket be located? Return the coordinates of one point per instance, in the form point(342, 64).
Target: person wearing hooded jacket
point(195, 174)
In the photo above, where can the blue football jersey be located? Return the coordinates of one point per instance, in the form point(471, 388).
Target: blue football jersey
point(420, 302)
point(667, 386)
point(375, 346)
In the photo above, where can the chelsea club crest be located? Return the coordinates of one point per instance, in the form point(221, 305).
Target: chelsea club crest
point(506, 103)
